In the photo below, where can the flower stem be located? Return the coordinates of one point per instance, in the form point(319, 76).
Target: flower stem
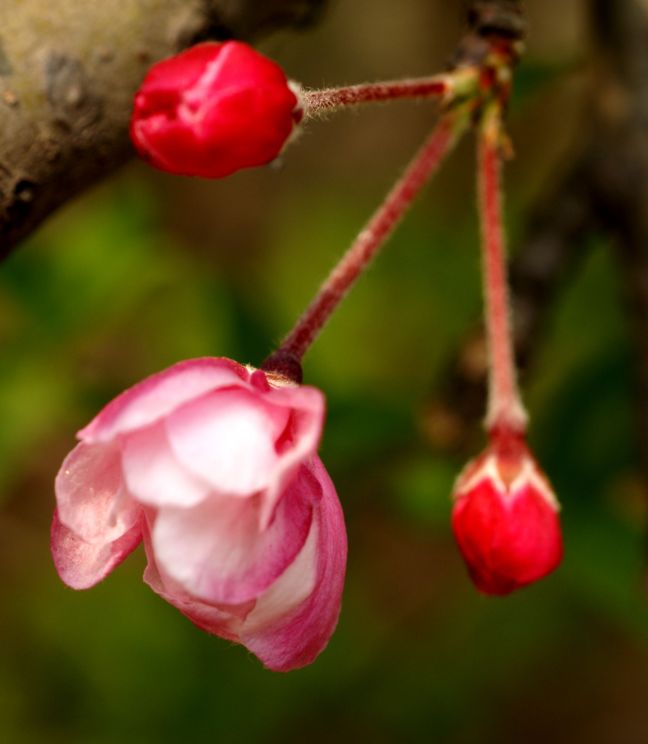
point(505, 408)
point(318, 102)
point(373, 236)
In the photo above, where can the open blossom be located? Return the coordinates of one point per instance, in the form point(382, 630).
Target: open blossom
point(505, 518)
point(212, 465)
point(214, 109)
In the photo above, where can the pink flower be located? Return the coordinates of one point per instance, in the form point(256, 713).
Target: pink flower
point(505, 518)
point(212, 110)
point(213, 465)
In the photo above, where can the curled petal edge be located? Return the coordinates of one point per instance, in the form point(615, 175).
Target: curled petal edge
point(156, 396)
point(81, 565)
point(92, 500)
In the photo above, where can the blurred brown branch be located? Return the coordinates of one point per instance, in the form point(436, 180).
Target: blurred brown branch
point(497, 17)
point(606, 189)
point(620, 178)
point(488, 20)
point(68, 72)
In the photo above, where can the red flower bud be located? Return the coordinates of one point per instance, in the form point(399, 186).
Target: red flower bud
point(212, 110)
point(505, 518)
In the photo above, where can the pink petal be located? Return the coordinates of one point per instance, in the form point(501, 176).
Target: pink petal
point(293, 586)
point(217, 552)
point(91, 497)
point(153, 398)
point(299, 440)
point(153, 474)
point(294, 639)
point(308, 408)
point(228, 439)
point(292, 621)
point(82, 565)
point(220, 620)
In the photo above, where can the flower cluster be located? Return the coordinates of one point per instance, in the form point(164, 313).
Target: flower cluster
point(213, 465)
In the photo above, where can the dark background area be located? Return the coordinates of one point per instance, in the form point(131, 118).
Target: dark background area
point(149, 269)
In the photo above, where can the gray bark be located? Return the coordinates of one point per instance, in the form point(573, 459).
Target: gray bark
point(68, 72)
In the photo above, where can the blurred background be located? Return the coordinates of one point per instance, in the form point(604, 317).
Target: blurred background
point(149, 269)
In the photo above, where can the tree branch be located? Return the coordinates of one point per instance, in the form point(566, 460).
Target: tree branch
point(68, 73)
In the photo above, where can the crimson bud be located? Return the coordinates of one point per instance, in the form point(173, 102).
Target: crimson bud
point(212, 110)
point(505, 517)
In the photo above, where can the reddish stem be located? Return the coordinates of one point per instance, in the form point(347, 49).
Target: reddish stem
point(319, 101)
point(372, 237)
point(505, 408)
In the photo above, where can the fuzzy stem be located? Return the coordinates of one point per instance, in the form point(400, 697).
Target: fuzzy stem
point(505, 408)
point(373, 236)
point(319, 102)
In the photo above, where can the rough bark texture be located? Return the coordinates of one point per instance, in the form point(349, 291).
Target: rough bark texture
point(68, 72)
